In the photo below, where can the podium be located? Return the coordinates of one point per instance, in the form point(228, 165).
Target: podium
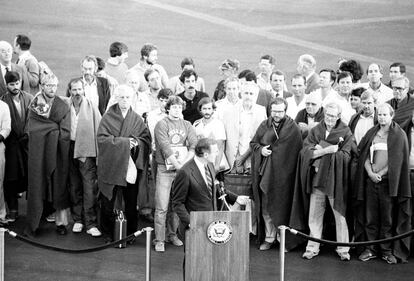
point(217, 246)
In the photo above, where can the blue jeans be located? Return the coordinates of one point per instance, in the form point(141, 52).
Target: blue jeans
point(165, 220)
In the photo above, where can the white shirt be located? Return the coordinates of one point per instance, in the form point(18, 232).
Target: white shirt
point(91, 92)
point(293, 108)
point(5, 119)
point(3, 71)
point(383, 93)
point(213, 129)
point(202, 169)
point(17, 103)
point(362, 127)
point(246, 124)
point(319, 92)
point(222, 106)
point(73, 122)
point(24, 57)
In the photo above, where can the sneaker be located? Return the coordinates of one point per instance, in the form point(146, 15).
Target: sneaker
point(367, 255)
point(94, 232)
point(344, 256)
point(389, 258)
point(175, 241)
point(309, 254)
point(51, 218)
point(77, 227)
point(265, 246)
point(159, 246)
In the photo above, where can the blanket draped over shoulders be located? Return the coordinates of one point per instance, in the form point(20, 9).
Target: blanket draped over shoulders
point(114, 133)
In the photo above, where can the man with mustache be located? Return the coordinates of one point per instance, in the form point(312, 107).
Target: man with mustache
point(15, 178)
point(190, 95)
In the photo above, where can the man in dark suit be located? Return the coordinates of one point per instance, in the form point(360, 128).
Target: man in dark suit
point(6, 52)
point(307, 67)
point(96, 88)
point(277, 80)
point(194, 187)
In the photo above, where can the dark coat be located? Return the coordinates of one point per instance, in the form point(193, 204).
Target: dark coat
point(48, 161)
point(189, 192)
point(302, 116)
point(398, 186)
point(17, 143)
point(275, 175)
point(23, 76)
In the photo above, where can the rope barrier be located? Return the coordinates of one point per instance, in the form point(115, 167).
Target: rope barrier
point(74, 251)
point(350, 244)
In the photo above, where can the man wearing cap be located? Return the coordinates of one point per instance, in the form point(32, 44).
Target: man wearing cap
point(15, 179)
point(6, 52)
point(311, 115)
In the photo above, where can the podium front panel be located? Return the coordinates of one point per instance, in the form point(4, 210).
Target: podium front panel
point(209, 256)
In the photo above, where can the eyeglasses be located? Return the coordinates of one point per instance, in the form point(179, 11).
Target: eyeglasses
point(331, 116)
point(398, 89)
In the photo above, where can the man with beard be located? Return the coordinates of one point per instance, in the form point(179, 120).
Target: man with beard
point(364, 120)
point(275, 148)
point(85, 118)
point(48, 159)
point(375, 85)
point(341, 98)
point(153, 80)
point(213, 128)
point(311, 115)
point(241, 122)
point(323, 172)
point(383, 184)
point(124, 143)
point(191, 96)
point(6, 53)
point(96, 88)
point(149, 58)
point(15, 179)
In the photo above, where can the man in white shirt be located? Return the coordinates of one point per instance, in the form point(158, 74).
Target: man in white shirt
point(374, 75)
point(5, 128)
point(266, 66)
point(342, 97)
point(297, 102)
point(209, 127)
point(96, 88)
point(232, 89)
point(327, 79)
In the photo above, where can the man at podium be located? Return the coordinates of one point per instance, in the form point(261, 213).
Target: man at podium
point(194, 187)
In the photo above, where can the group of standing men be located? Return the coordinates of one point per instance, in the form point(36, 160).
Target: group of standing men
point(331, 139)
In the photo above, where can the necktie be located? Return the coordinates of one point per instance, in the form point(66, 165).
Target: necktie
point(210, 183)
point(7, 69)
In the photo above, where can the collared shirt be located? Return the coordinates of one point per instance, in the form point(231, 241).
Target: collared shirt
point(73, 122)
point(152, 119)
point(332, 92)
point(362, 126)
point(293, 108)
point(246, 124)
point(18, 105)
point(202, 168)
point(23, 58)
point(382, 94)
point(263, 83)
point(213, 129)
point(222, 106)
point(347, 110)
point(91, 92)
point(5, 119)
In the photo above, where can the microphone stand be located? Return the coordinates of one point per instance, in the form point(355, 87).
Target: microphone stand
point(223, 196)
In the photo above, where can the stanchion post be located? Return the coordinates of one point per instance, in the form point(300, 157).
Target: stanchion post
point(2, 230)
point(282, 252)
point(148, 255)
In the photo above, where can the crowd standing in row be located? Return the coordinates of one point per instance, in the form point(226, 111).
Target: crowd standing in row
point(330, 139)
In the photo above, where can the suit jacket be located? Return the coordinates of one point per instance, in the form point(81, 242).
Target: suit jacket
point(312, 83)
point(23, 76)
point(189, 192)
point(264, 98)
point(232, 126)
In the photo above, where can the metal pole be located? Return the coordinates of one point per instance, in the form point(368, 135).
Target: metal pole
point(148, 255)
point(2, 230)
point(282, 252)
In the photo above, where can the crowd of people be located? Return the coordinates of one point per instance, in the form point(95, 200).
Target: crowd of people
point(133, 140)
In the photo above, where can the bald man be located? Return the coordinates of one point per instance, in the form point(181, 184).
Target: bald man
point(311, 115)
point(6, 52)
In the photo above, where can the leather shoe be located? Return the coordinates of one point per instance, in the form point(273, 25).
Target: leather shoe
point(175, 241)
point(265, 246)
point(61, 230)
